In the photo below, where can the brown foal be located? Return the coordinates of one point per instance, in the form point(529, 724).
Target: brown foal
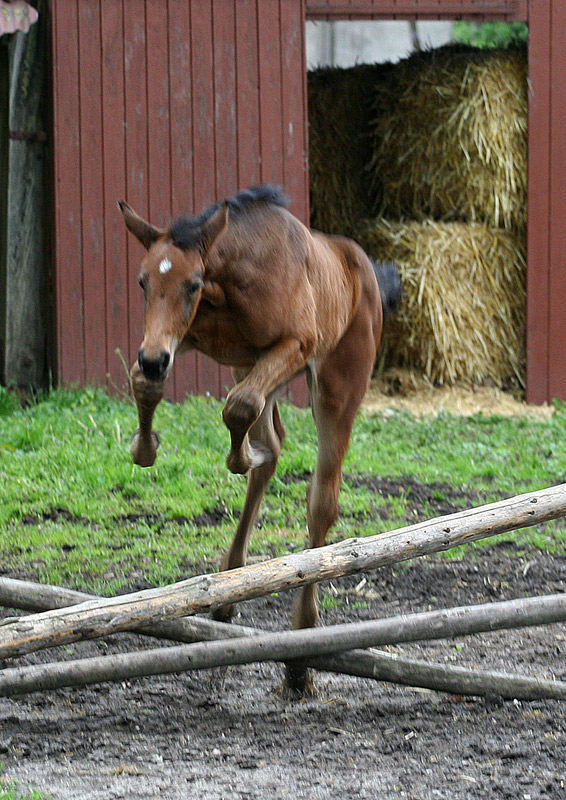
point(249, 285)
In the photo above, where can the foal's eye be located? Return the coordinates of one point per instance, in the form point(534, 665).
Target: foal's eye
point(193, 286)
point(141, 281)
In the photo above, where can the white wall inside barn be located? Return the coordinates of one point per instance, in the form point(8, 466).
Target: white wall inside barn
point(345, 43)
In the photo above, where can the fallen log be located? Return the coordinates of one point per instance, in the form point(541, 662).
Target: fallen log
point(370, 664)
point(32, 596)
point(307, 644)
point(204, 592)
point(451, 679)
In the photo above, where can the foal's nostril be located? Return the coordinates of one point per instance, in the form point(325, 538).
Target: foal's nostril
point(154, 368)
point(163, 361)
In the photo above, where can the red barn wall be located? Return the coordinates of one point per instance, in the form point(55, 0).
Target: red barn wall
point(171, 105)
point(546, 247)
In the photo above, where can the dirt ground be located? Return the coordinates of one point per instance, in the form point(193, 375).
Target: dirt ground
point(229, 733)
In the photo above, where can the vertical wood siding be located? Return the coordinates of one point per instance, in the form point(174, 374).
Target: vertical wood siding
point(171, 105)
point(546, 289)
point(539, 182)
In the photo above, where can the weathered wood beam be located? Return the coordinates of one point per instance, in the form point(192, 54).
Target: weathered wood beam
point(39, 597)
point(370, 664)
point(96, 618)
point(418, 9)
point(306, 644)
point(26, 315)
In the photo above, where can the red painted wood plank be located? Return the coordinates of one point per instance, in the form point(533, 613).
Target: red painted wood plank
point(413, 9)
point(557, 287)
point(406, 10)
point(224, 53)
point(538, 253)
point(158, 122)
point(521, 12)
point(114, 161)
point(204, 183)
point(158, 113)
point(137, 189)
point(293, 107)
point(225, 119)
point(271, 133)
point(67, 190)
point(180, 77)
point(92, 184)
point(247, 95)
point(181, 83)
point(295, 133)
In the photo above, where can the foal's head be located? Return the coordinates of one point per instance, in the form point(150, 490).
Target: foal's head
point(171, 278)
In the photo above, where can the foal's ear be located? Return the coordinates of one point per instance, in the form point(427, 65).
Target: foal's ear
point(213, 228)
point(141, 229)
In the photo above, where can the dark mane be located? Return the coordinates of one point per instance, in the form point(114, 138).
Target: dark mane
point(184, 232)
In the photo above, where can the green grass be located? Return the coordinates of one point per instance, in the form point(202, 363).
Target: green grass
point(11, 793)
point(75, 511)
point(490, 34)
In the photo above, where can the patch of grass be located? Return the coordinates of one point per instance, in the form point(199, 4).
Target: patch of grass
point(76, 511)
point(328, 601)
point(10, 791)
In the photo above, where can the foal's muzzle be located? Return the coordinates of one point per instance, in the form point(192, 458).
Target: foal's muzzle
point(154, 369)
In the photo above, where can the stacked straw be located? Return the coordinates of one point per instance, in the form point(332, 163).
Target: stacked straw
point(340, 116)
point(436, 148)
point(463, 312)
point(452, 141)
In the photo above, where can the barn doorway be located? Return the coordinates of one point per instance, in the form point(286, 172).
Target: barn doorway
point(422, 158)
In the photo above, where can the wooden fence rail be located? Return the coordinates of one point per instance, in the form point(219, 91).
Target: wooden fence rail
point(372, 664)
point(305, 643)
point(97, 618)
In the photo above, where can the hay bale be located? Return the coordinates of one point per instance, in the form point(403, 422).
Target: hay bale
point(462, 315)
point(450, 137)
point(340, 145)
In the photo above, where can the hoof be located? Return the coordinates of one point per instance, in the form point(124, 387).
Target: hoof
point(224, 613)
point(144, 452)
point(248, 458)
point(298, 682)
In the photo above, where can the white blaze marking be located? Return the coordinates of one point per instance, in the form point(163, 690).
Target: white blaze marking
point(165, 266)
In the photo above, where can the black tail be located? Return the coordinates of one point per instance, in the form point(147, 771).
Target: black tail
point(389, 281)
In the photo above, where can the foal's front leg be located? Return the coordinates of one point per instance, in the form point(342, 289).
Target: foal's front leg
point(246, 401)
point(147, 395)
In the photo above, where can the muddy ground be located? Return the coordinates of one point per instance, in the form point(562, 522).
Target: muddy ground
point(229, 733)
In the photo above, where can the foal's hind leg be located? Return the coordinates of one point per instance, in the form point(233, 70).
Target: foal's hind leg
point(269, 432)
point(337, 391)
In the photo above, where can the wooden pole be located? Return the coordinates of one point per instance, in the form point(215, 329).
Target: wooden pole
point(27, 312)
point(41, 597)
point(304, 644)
point(371, 664)
point(96, 618)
